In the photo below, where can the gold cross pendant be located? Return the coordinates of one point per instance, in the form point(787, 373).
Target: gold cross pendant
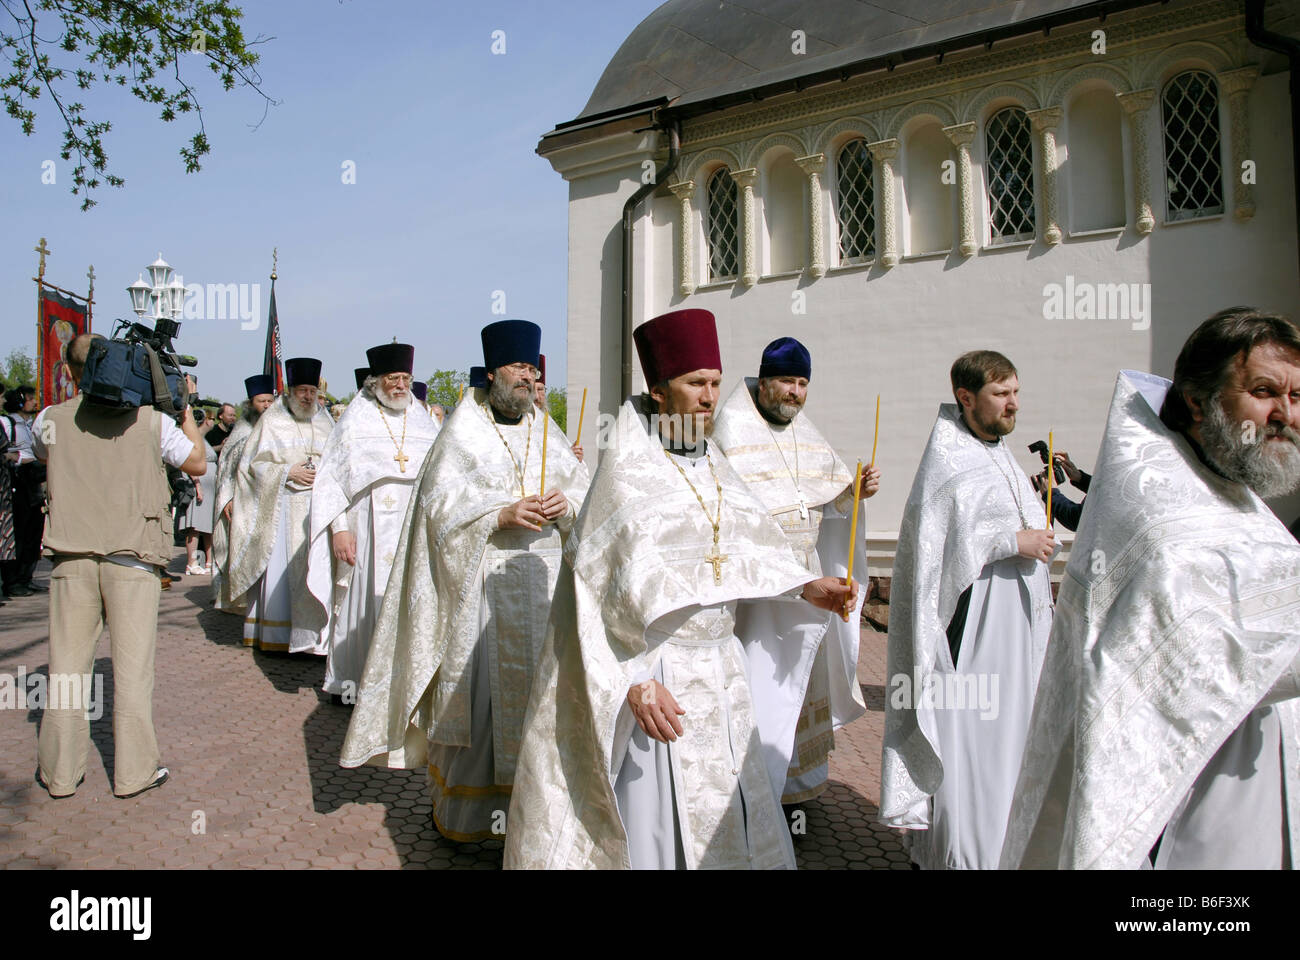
point(717, 559)
point(401, 459)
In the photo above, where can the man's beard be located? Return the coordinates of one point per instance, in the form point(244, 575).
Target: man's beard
point(252, 415)
point(506, 400)
point(385, 397)
point(995, 426)
point(1268, 467)
point(301, 411)
point(780, 410)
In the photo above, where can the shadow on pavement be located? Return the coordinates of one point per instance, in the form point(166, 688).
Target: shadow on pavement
point(404, 794)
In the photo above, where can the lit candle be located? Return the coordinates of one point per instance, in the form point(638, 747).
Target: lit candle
point(853, 536)
point(461, 396)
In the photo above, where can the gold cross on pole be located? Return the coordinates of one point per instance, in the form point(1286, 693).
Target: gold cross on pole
point(90, 274)
point(717, 559)
point(402, 460)
point(42, 250)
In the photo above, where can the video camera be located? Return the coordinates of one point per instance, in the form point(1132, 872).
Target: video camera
point(1040, 447)
point(138, 367)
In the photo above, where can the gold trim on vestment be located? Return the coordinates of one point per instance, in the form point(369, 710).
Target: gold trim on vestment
point(466, 791)
point(269, 623)
point(464, 837)
point(266, 647)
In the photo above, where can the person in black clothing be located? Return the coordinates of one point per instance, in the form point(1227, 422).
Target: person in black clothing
point(27, 479)
point(221, 426)
point(1063, 508)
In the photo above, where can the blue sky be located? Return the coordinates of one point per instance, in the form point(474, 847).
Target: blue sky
point(450, 202)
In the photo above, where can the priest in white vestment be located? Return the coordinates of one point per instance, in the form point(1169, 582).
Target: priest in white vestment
point(358, 504)
point(1167, 727)
point(808, 490)
point(455, 649)
point(261, 394)
point(270, 523)
point(970, 612)
point(655, 738)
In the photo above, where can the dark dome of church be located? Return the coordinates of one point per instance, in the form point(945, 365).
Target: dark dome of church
point(697, 49)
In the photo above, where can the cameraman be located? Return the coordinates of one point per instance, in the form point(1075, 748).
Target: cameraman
point(108, 532)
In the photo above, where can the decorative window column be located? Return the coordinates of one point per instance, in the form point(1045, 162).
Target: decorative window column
point(745, 179)
point(1137, 106)
point(1044, 123)
point(1235, 85)
point(962, 135)
point(813, 165)
point(884, 153)
point(685, 192)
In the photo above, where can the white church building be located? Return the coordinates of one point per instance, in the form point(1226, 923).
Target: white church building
point(1075, 184)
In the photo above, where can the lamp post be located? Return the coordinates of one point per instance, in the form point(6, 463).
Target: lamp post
point(162, 296)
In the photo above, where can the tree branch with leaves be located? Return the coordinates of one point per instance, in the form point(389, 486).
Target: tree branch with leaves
point(138, 45)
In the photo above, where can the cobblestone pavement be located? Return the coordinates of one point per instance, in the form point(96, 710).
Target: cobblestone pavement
point(252, 745)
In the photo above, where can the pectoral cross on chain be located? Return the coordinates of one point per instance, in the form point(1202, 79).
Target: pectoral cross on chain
point(803, 507)
point(717, 559)
point(402, 460)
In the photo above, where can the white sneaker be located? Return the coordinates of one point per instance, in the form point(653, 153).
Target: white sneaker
point(193, 570)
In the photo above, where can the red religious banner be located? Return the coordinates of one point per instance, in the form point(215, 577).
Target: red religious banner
point(62, 318)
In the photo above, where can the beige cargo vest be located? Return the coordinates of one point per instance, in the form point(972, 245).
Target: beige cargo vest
point(108, 491)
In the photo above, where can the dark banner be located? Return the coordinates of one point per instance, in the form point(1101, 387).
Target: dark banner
point(272, 365)
point(62, 318)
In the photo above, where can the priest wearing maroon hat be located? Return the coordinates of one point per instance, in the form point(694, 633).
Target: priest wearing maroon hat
point(455, 649)
point(270, 522)
point(367, 474)
point(656, 737)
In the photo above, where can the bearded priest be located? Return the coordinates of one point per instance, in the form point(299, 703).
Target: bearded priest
point(455, 649)
point(358, 504)
point(970, 611)
point(261, 394)
point(271, 521)
point(808, 490)
point(1167, 727)
point(651, 738)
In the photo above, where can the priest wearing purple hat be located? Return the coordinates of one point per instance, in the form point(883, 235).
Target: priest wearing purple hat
point(656, 738)
point(455, 649)
point(270, 524)
point(260, 390)
point(808, 489)
point(367, 473)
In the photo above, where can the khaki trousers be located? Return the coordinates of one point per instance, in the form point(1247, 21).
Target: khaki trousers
point(86, 592)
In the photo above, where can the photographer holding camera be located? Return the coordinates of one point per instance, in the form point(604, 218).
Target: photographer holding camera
point(109, 534)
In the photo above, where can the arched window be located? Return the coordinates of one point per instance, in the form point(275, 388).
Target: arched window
point(855, 202)
point(1193, 172)
point(1010, 170)
point(723, 234)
